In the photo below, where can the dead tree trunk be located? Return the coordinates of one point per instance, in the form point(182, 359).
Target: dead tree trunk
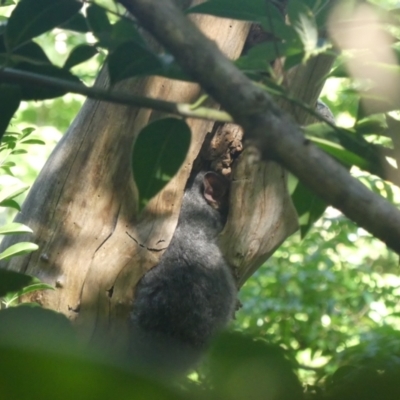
point(94, 248)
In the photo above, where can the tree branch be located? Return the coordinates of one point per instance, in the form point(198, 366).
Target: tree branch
point(9, 75)
point(274, 132)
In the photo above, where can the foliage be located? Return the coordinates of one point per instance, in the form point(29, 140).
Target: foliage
point(129, 56)
point(334, 291)
point(14, 143)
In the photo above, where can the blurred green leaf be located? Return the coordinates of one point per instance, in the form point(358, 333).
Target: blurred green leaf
point(14, 227)
point(77, 23)
point(19, 151)
point(237, 359)
point(10, 97)
point(98, 20)
point(39, 347)
point(131, 59)
point(18, 249)
point(80, 54)
point(13, 191)
point(4, 3)
point(273, 21)
point(259, 57)
point(35, 285)
point(158, 153)
point(27, 131)
point(33, 91)
point(30, 18)
point(125, 31)
point(302, 20)
point(10, 203)
point(32, 141)
point(340, 153)
point(11, 281)
point(309, 207)
point(235, 9)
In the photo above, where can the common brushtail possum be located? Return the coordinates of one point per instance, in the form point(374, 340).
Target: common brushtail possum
point(191, 294)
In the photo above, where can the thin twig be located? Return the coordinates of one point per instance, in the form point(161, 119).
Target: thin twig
point(9, 75)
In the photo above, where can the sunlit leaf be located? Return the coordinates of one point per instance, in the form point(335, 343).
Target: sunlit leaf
point(35, 285)
point(303, 21)
point(12, 191)
point(18, 249)
point(10, 204)
point(27, 131)
point(32, 141)
point(19, 151)
point(14, 227)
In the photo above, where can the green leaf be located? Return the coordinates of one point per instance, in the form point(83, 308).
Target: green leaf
point(158, 153)
point(236, 9)
point(12, 192)
point(30, 52)
point(346, 157)
point(303, 21)
point(32, 141)
point(13, 228)
point(273, 21)
point(354, 143)
point(309, 207)
point(235, 358)
point(4, 3)
point(11, 281)
point(31, 18)
point(131, 59)
point(8, 164)
point(77, 24)
point(9, 139)
point(98, 20)
point(10, 97)
point(18, 249)
point(258, 58)
point(171, 69)
point(35, 285)
point(32, 91)
point(27, 131)
point(125, 31)
point(19, 151)
point(10, 204)
point(80, 54)
point(374, 125)
point(42, 358)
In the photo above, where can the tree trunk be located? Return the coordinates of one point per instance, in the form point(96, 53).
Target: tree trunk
point(94, 247)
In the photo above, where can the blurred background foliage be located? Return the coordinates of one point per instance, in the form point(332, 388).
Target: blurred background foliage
point(329, 298)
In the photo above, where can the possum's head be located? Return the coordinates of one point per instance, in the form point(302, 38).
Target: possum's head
point(206, 201)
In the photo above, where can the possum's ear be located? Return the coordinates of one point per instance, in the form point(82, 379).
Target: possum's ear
point(216, 189)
